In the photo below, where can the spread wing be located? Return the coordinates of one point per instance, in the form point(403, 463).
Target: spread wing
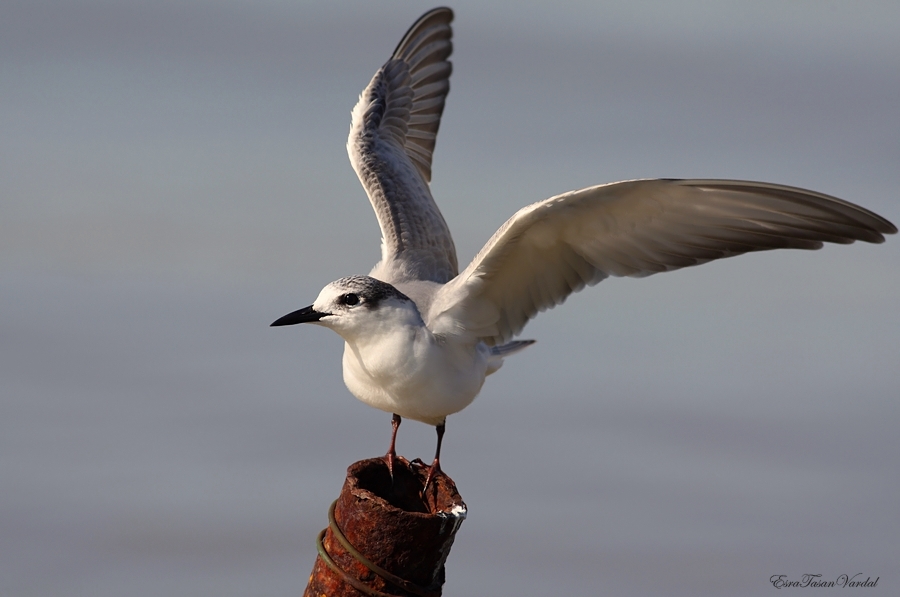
point(556, 247)
point(392, 136)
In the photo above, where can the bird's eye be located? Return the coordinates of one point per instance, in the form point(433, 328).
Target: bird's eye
point(349, 299)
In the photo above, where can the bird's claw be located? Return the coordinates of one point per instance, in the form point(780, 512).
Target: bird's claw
point(433, 471)
point(389, 459)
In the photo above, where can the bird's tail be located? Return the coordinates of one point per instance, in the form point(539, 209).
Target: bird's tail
point(509, 348)
point(498, 353)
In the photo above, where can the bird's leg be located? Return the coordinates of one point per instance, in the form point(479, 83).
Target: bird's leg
point(436, 465)
point(392, 452)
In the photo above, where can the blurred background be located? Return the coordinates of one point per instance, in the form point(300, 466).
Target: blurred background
point(173, 178)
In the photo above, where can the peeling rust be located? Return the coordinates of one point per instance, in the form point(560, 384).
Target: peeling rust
point(394, 526)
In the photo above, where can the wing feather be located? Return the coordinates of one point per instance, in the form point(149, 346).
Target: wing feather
point(392, 138)
point(553, 248)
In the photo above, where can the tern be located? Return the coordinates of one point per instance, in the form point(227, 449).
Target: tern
point(420, 337)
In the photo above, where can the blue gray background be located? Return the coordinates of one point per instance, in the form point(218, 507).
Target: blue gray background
point(173, 178)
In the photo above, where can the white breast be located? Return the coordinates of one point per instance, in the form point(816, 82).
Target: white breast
point(414, 374)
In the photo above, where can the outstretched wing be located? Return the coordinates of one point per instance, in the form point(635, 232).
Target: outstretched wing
point(392, 136)
point(556, 247)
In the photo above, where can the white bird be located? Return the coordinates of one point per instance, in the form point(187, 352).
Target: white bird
point(420, 337)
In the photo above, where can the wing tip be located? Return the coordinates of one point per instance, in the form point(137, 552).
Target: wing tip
point(441, 14)
point(872, 226)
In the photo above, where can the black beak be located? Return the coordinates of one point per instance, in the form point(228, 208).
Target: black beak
point(304, 315)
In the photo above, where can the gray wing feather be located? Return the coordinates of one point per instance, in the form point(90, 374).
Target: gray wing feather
point(392, 138)
point(556, 247)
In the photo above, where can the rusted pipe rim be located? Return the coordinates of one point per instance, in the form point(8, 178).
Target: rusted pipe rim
point(356, 584)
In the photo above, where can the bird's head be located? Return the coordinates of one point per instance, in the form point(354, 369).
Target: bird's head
point(357, 306)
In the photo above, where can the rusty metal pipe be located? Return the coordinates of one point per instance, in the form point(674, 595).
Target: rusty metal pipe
point(384, 537)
